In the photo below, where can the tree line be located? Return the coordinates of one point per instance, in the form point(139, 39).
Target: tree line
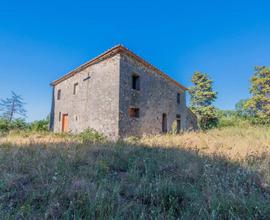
point(255, 110)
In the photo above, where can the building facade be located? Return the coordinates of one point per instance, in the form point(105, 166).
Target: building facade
point(119, 94)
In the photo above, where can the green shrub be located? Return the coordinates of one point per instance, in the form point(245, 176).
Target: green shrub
point(17, 124)
point(22, 125)
point(41, 125)
point(4, 126)
point(91, 136)
point(230, 118)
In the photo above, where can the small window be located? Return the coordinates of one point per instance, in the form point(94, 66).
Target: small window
point(178, 98)
point(136, 82)
point(59, 116)
point(59, 94)
point(75, 88)
point(134, 112)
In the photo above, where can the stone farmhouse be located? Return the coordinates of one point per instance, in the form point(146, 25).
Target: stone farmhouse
point(119, 94)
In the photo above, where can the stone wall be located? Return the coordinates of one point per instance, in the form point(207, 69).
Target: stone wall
point(96, 102)
point(191, 121)
point(104, 95)
point(155, 97)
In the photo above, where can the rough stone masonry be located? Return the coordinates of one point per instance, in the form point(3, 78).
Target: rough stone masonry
point(119, 94)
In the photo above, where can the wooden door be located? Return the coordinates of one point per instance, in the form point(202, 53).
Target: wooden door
point(65, 123)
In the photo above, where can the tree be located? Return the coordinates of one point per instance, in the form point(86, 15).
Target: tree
point(202, 97)
point(12, 106)
point(243, 111)
point(259, 103)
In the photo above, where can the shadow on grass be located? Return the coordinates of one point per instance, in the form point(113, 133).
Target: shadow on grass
point(127, 181)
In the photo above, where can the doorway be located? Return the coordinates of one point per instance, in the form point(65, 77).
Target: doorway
point(178, 127)
point(164, 123)
point(65, 123)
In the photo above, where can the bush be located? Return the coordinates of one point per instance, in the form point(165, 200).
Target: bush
point(17, 124)
point(41, 125)
point(234, 122)
point(91, 136)
point(229, 118)
point(21, 125)
point(4, 126)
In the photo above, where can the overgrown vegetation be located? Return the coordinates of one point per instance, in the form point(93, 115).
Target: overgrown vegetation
point(21, 125)
point(91, 136)
point(254, 110)
point(218, 174)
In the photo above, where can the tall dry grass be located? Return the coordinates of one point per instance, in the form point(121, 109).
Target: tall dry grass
point(234, 143)
point(219, 174)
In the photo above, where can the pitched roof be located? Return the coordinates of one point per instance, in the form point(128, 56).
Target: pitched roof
point(115, 50)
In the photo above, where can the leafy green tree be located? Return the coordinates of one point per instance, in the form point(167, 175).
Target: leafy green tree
point(11, 107)
point(202, 97)
point(243, 111)
point(259, 103)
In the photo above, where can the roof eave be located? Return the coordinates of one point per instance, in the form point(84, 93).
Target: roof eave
point(112, 52)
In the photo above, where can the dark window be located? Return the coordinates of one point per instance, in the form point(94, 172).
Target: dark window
point(59, 116)
point(178, 98)
point(59, 94)
point(134, 112)
point(136, 82)
point(164, 123)
point(178, 120)
point(178, 128)
point(75, 88)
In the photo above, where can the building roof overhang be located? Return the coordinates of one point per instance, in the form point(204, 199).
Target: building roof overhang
point(111, 52)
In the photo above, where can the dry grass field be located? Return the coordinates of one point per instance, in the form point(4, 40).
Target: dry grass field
point(219, 174)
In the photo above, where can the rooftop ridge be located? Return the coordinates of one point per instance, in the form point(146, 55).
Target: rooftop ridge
point(110, 52)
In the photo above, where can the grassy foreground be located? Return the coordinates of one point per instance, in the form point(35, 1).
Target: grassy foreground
point(221, 174)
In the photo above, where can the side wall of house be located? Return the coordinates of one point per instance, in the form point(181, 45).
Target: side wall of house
point(155, 97)
point(191, 121)
point(96, 102)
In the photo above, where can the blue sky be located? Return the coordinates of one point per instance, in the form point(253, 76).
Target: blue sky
point(42, 40)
